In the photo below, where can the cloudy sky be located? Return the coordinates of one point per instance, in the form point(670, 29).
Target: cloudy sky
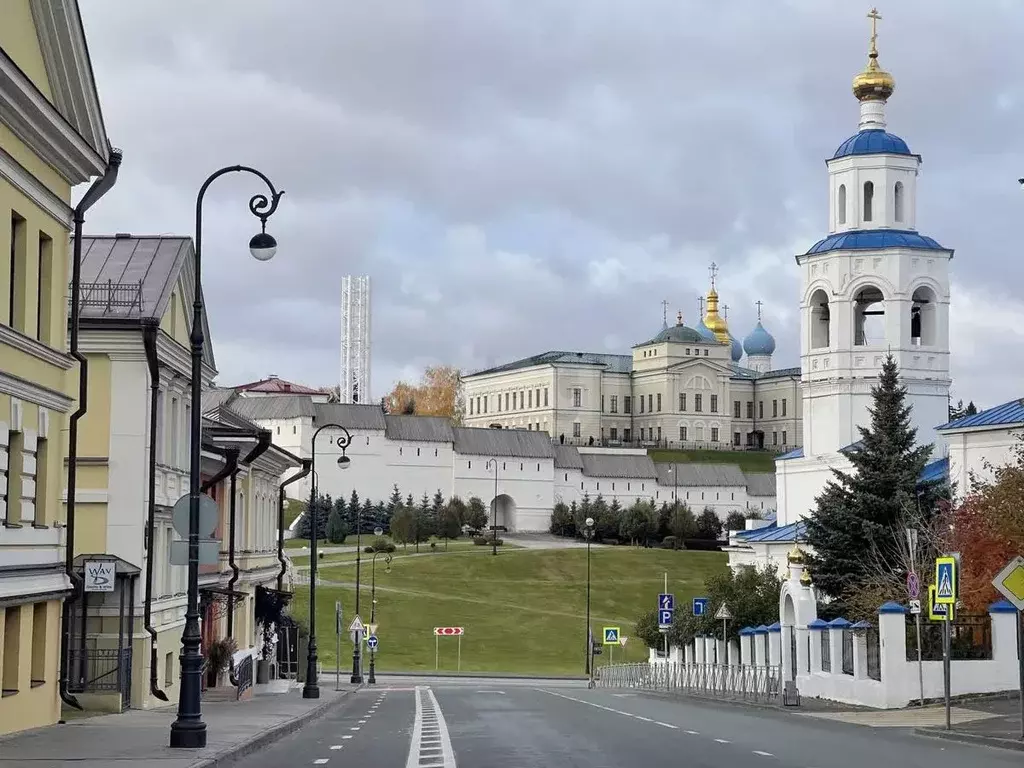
point(518, 176)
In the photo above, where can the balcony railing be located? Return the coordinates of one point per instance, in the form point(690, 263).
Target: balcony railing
point(109, 296)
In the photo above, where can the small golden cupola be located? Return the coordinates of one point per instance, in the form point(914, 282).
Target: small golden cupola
point(713, 321)
point(873, 83)
point(796, 556)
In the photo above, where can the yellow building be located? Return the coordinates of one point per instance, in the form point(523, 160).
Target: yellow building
point(52, 138)
point(136, 317)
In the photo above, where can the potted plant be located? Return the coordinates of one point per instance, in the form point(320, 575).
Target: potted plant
point(269, 610)
point(218, 659)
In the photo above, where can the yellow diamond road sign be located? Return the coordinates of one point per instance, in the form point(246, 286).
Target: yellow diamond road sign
point(1010, 582)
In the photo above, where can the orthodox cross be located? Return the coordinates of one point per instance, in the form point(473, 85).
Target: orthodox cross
point(759, 303)
point(700, 303)
point(875, 17)
point(713, 270)
point(679, 317)
point(725, 311)
point(664, 311)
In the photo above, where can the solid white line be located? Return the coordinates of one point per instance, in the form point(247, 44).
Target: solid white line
point(429, 729)
point(721, 741)
point(447, 752)
point(666, 725)
point(763, 754)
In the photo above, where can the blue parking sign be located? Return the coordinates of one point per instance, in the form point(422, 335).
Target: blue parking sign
point(664, 618)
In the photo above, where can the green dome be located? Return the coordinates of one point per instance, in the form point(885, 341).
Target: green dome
point(679, 333)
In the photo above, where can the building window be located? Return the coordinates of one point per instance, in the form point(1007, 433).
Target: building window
point(736, 438)
point(42, 478)
point(627, 434)
point(841, 204)
point(659, 402)
point(44, 286)
point(750, 409)
point(295, 430)
point(736, 409)
point(469, 465)
point(775, 438)
point(641, 403)
point(682, 401)
point(698, 404)
point(627, 404)
point(575, 429)
point(783, 406)
point(869, 197)
point(682, 434)
point(705, 353)
point(40, 618)
point(659, 434)
point(897, 199)
point(15, 475)
point(471, 406)
point(602, 403)
point(615, 404)
point(506, 401)
point(614, 433)
point(714, 403)
point(650, 403)
point(577, 398)
point(11, 649)
point(775, 408)
point(783, 437)
point(172, 446)
point(538, 398)
point(760, 409)
point(18, 268)
point(714, 434)
point(486, 398)
point(545, 397)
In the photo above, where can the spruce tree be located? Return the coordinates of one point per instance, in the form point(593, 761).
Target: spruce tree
point(354, 510)
point(857, 511)
point(336, 530)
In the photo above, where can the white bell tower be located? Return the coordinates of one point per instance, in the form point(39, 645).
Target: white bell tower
point(873, 286)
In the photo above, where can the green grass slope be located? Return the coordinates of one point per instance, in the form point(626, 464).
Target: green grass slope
point(748, 461)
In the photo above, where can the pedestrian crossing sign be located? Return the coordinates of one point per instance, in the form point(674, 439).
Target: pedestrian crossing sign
point(945, 581)
point(611, 635)
point(938, 611)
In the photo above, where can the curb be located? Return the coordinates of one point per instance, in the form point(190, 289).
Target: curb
point(238, 751)
point(971, 738)
point(477, 675)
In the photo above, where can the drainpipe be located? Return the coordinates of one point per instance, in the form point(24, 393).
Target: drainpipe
point(99, 188)
point(262, 444)
point(307, 465)
point(149, 331)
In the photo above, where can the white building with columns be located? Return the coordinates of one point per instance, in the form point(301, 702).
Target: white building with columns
point(873, 286)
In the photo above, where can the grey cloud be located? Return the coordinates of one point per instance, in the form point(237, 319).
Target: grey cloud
point(518, 177)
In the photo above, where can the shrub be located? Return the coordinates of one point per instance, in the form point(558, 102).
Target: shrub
point(610, 542)
point(380, 544)
point(669, 542)
point(369, 550)
point(390, 548)
point(488, 541)
point(433, 545)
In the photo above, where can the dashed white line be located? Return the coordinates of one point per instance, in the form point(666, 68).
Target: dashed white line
point(337, 746)
point(763, 754)
point(722, 741)
point(347, 737)
point(666, 725)
point(354, 728)
point(320, 761)
point(694, 733)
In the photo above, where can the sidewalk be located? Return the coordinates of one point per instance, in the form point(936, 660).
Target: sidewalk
point(140, 737)
point(998, 725)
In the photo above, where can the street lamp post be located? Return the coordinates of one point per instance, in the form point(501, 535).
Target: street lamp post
point(311, 688)
point(372, 680)
point(357, 641)
point(188, 730)
point(494, 512)
point(588, 532)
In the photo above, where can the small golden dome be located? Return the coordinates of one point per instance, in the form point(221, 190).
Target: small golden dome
point(714, 321)
point(796, 556)
point(874, 82)
point(805, 578)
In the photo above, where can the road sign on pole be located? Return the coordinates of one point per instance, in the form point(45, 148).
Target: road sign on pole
point(945, 580)
point(371, 629)
point(356, 625)
point(666, 602)
point(371, 642)
point(913, 585)
point(664, 619)
point(700, 605)
point(915, 607)
point(622, 640)
point(611, 635)
point(938, 611)
point(723, 613)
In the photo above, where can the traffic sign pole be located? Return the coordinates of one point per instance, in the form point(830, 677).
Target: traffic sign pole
point(914, 591)
point(1010, 583)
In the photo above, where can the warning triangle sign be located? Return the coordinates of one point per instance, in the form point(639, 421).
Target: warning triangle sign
point(356, 625)
point(945, 587)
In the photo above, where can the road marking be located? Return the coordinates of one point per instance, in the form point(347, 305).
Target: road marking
point(354, 728)
point(346, 737)
point(429, 729)
point(722, 741)
point(763, 754)
point(320, 761)
point(362, 722)
point(337, 746)
point(616, 711)
point(500, 693)
point(694, 733)
point(645, 719)
point(666, 725)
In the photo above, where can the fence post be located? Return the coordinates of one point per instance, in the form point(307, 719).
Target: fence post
point(775, 645)
point(815, 629)
point(835, 640)
point(760, 640)
point(892, 639)
point(860, 650)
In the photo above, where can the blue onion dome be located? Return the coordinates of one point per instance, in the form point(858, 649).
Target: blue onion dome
point(735, 348)
point(679, 333)
point(759, 342)
point(706, 333)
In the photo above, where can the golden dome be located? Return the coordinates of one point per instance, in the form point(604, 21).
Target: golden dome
point(873, 82)
point(796, 556)
point(805, 578)
point(714, 321)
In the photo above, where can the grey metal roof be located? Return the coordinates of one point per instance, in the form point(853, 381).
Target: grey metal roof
point(698, 474)
point(350, 416)
point(520, 443)
point(130, 277)
point(215, 397)
point(618, 465)
point(742, 372)
point(274, 407)
point(431, 429)
point(760, 483)
point(611, 363)
point(567, 457)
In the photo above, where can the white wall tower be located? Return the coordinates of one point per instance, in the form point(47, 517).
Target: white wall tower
point(873, 286)
point(355, 339)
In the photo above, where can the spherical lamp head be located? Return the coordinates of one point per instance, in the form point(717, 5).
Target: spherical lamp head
point(344, 462)
point(262, 246)
point(589, 522)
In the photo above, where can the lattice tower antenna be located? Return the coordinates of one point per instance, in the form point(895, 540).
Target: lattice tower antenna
point(355, 340)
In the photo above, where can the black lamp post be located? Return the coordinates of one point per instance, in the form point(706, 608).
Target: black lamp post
point(311, 688)
point(188, 730)
point(372, 680)
point(494, 511)
point(588, 532)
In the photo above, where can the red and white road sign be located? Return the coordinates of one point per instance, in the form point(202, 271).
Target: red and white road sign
point(449, 631)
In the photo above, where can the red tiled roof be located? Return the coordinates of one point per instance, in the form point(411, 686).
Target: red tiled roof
point(277, 386)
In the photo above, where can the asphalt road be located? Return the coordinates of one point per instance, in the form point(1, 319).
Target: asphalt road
point(493, 723)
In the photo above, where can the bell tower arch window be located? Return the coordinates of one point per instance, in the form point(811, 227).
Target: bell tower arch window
point(820, 320)
point(897, 201)
point(841, 204)
point(869, 317)
point(869, 198)
point(923, 320)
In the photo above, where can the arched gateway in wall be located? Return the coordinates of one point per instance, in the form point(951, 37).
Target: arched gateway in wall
point(504, 518)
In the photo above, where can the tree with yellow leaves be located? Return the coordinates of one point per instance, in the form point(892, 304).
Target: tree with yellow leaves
point(438, 393)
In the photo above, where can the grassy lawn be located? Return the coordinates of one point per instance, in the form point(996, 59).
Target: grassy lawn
point(524, 610)
point(292, 509)
point(749, 461)
point(463, 545)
